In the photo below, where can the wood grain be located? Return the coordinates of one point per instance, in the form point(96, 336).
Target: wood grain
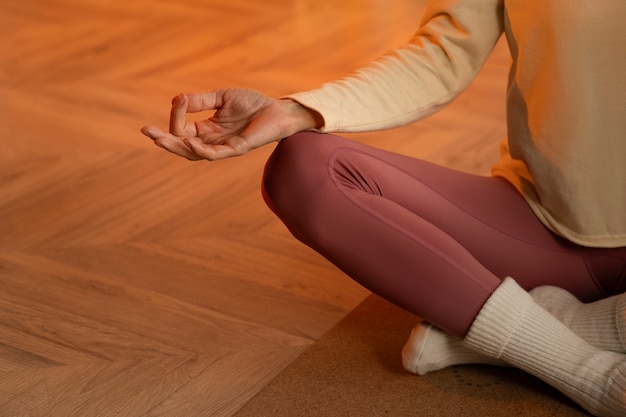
point(134, 283)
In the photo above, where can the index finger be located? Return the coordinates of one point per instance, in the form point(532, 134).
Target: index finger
point(197, 102)
point(178, 120)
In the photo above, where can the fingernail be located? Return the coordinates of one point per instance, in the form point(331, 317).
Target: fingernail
point(179, 100)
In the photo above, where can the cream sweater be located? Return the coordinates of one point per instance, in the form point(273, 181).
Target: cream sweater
point(566, 145)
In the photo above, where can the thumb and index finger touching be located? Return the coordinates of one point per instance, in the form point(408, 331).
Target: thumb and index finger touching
point(190, 103)
point(183, 134)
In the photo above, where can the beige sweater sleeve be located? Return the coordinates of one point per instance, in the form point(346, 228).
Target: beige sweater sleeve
point(565, 148)
point(413, 82)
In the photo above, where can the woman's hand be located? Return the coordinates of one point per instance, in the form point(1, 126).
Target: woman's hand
point(243, 120)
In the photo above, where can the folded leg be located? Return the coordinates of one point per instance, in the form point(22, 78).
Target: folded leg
point(432, 240)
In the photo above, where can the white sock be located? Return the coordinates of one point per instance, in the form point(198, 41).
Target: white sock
point(512, 327)
point(598, 322)
point(431, 349)
point(601, 324)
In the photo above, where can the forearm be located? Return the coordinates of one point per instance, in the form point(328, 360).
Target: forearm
point(417, 80)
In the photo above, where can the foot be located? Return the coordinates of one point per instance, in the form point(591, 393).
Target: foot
point(431, 349)
point(597, 323)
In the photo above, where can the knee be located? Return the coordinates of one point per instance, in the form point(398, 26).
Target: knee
point(295, 170)
point(291, 168)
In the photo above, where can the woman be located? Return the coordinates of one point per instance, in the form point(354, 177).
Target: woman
point(460, 250)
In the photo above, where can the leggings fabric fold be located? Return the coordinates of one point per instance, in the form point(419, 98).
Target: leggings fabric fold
point(434, 241)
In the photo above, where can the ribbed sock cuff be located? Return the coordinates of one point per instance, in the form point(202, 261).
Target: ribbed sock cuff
point(513, 327)
point(498, 319)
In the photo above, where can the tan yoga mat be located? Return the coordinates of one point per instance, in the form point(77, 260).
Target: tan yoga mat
point(355, 370)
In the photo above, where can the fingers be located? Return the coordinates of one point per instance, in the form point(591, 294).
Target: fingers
point(234, 146)
point(178, 123)
point(193, 148)
point(183, 137)
point(197, 102)
point(152, 132)
point(191, 103)
point(170, 143)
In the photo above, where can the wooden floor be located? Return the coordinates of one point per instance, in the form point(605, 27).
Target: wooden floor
point(135, 283)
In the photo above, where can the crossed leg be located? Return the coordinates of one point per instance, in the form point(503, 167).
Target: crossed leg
point(435, 241)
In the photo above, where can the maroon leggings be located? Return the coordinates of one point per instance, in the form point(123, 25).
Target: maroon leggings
point(434, 241)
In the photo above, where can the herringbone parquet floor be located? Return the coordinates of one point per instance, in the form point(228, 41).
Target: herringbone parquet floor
point(134, 283)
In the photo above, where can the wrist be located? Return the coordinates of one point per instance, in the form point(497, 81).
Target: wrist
point(300, 117)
